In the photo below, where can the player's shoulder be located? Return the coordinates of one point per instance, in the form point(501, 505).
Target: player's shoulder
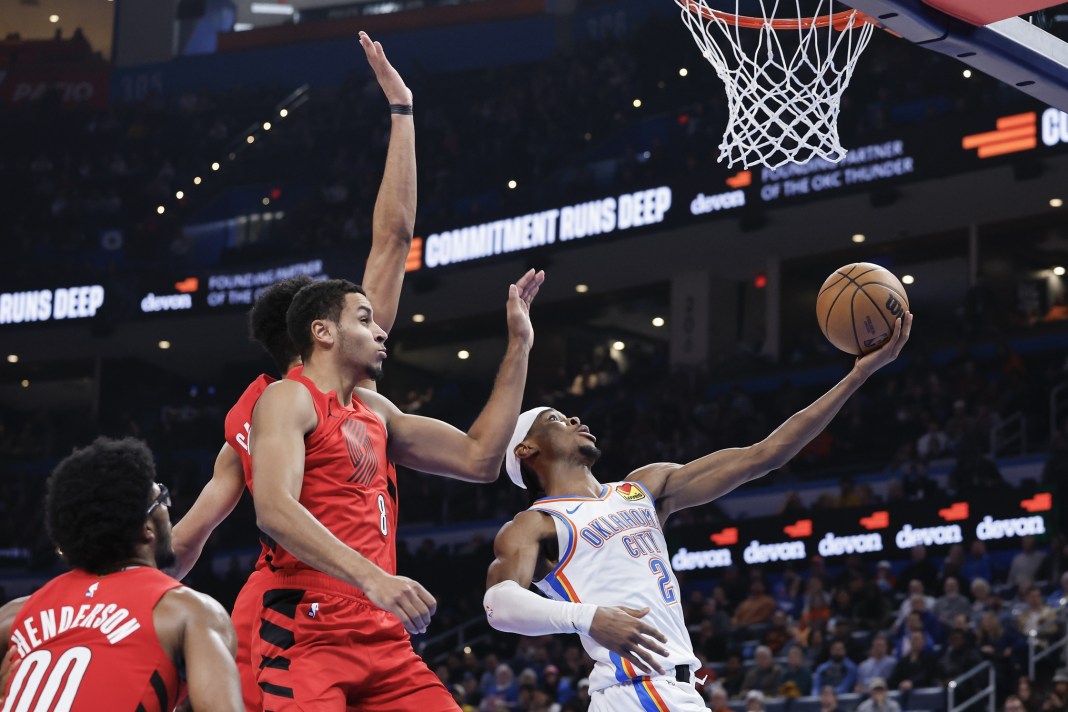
point(652, 476)
point(527, 525)
point(194, 606)
point(286, 390)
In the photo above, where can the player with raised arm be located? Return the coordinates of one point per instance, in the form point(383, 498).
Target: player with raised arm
point(598, 550)
point(115, 633)
point(392, 230)
point(335, 622)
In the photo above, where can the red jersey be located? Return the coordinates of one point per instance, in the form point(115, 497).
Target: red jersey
point(88, 643)
point(349, 485)
point(239, 423)
point(236, 429)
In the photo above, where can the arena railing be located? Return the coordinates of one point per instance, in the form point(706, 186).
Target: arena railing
point(1035, 656)
point(1009, 431)
point(456, 638)
point(989, 692)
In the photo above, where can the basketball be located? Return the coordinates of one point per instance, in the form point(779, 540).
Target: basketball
point(858, 305)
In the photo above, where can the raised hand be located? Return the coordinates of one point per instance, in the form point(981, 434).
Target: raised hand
point(396, 91)
point(872, 362)
point(621, 630)
point(520, 295)
point(404, 598)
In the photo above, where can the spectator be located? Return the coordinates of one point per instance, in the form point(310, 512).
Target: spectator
point(879, 664)
point(959, 658)
point(1026, 692)
point(879, 700)
point(717, 699)
point(1025, 564)
point(884, 577)
point(796, 676)
point(977, 565)
point(919, 568)
point(917, 620)
point(828, 700)
point(756, 609)
point(982, 601)
point(916, 588)
point(754, 701)
point(951, 602)
point(779, 634)
point(504, 686)
point(933, 444)
point(582, 692)
point(764, 676)
point(839, 672)
point(1014, 704)
point(1057, 700)
point(1000, 645)
point(916, 669)
point(816, 611)
point(1037, 618)
point(733, 675)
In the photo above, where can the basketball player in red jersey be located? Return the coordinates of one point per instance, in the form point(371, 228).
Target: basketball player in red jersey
point(393, 226)
point(113, 633)
point(335, 623)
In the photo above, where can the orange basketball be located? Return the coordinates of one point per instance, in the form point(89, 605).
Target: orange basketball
point(858, 305)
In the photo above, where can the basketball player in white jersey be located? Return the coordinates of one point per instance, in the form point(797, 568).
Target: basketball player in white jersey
point(597, 551)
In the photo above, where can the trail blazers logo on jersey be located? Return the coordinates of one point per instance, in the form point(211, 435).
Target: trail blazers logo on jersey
point(361, 452)
point(91, 591)
point(630, 492)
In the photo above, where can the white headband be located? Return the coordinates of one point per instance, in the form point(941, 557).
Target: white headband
point(522, 427)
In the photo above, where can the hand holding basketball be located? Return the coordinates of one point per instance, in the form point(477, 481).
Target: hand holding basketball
point(872, 362)
point(858, 306)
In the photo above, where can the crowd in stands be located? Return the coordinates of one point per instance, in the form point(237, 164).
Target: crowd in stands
point(88, 181)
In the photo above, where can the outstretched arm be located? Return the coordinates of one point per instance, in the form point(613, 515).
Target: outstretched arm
point(394, 216)
point(214, 504)
point(677, 487)
point(438, 448)
point(512, 608)
point(284, 414)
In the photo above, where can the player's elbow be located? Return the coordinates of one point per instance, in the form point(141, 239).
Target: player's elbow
point(270, 515)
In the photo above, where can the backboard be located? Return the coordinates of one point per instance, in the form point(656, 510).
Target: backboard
point(988, 35)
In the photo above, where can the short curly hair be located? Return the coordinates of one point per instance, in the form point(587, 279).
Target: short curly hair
point(97, 502)
point(267, 320)
point(319, 300)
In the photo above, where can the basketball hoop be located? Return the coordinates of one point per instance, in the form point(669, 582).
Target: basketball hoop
point(784, 76)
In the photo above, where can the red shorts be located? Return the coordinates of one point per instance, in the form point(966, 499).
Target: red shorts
point(246, 618)
point(322, 646)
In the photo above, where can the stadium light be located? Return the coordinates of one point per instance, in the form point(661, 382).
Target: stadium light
point(908, 279)
point(196, 181)
point(265, 8)
point(266, 201)
point(179, 195)
point(1059, 271)
point(165, 345)
point(418, 318)
point(683, 72)
point(658, 321)
point(512, 185)
point(637, 103)
point(251, 139)
point(160, 209)
point(967, 74)
point(582, 288)
point(25, 383)
point(283, 113)
point(53, 19)
point(463, 354)
point(215, 166)
point(858, 238)
point(1055, 202)
point(12, 358)
point(266, 125)
point(618, 346)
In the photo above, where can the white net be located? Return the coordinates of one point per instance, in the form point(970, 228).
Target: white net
point(784, 78)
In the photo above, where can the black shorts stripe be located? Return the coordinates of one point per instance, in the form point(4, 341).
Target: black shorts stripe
point(277, 690)
point(392, 489)
point(160, 688)
point(283, 600)
point(276, 635)
point(276, 663)
point(140, 708)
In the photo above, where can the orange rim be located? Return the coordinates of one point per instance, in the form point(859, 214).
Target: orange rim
point(838, 20)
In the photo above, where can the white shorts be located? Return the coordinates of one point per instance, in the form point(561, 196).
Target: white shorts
point(661, 694)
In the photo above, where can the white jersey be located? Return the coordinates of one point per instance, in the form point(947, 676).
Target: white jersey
point(613, 553)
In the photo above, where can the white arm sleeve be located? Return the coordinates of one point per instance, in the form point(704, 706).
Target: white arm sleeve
point(510, 608)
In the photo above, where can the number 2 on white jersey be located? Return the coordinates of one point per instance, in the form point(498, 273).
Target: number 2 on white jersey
point(68, 671)
point(658, 567)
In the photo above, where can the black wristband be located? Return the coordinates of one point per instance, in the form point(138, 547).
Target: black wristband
point(402, 109)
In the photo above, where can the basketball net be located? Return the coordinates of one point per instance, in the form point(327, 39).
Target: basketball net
point(784, 77)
